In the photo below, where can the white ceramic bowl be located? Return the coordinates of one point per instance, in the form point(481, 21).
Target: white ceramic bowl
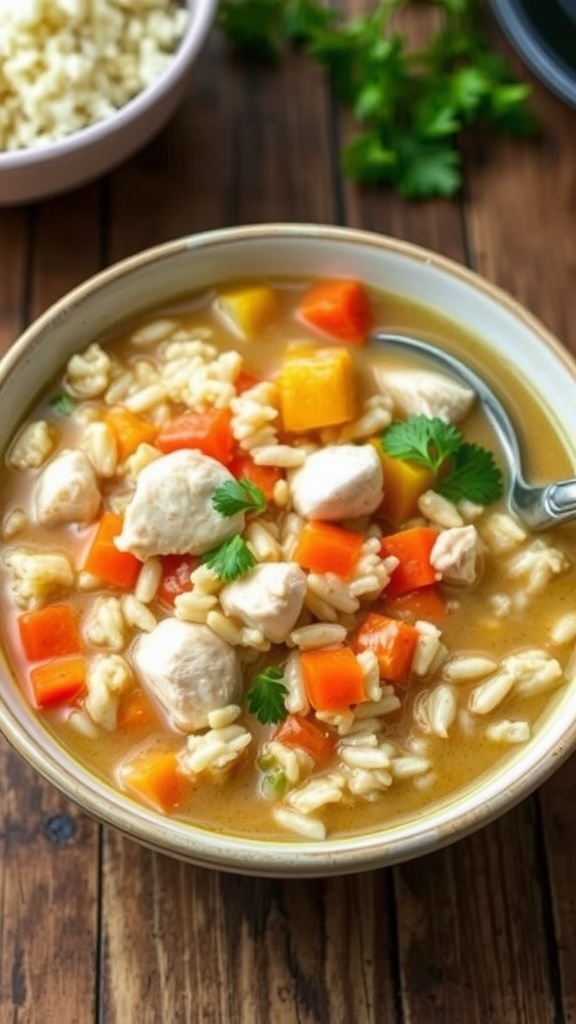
point(30, 174)
point(170, 271)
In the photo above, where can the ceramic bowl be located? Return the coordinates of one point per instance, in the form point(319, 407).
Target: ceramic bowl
point(177, 268)
point(31, 174)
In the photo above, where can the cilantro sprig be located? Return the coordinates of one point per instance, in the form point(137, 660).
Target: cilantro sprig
point(410, 107)
point(465, 470)
point(230, 559)
point(238, 496)
point(265, 698)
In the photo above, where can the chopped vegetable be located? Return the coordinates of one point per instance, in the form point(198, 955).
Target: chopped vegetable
point(404, 483)
point(411, 103)
point(62, 404)
point(209, 431)
point(231, 559)
point(412, 548)
point(176, 572)
point(105, 561)
point(235, 496)
point(250, 309)
point(155, 777)
point(425, 603)
point(58, 681)
point(340, 308)
point(393, 642)
point(266, 696)
point(265, 478)
point(333, 678)
point(135, 711)
point(49, 632)
point(465, 471)
point(317, 388)
point(129, 430)
point(244, 381)
point(315, 740)
point(324, 547)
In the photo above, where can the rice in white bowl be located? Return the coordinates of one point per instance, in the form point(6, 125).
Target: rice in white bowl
point(66, 64)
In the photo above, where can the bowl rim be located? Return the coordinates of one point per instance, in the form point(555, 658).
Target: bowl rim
point(450, 819)
point(201, 17)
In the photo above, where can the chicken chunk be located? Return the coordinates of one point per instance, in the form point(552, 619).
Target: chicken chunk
point(171, 510)
point(428, 393)
point(269, 598)
point(338, 482)
point(189, 669)
point(67, 490)
point(456, 554)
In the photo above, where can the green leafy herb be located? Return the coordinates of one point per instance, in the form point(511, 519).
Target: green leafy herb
point(238, 496)
point(266, 696)
point(231, 559)
point(473, 475)
point(410, 106)
point(468, 470)
point(429, 441)
point(62, 404)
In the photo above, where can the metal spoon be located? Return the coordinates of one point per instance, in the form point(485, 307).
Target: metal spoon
point(539, 508)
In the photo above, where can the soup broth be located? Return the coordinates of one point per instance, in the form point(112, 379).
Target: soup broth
point(287, 710)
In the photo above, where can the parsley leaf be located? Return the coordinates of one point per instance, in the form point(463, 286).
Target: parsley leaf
point(473, 475)
point(411, 106)
point(471, 471)
point(238, 496)
point(429, 441)
point(231, 559)
point(62, 405)
point(266, 696)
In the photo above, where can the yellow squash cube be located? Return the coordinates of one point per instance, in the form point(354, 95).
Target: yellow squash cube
point(317, 389)
point(249, 310)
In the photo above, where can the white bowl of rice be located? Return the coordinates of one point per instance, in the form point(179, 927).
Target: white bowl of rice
point(84, 85)
point(192, 660)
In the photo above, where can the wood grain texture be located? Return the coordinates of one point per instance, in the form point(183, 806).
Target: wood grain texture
point(97, 930)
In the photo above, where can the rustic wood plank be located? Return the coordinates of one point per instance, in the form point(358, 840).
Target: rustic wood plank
point(14, 247)
point(189, 945)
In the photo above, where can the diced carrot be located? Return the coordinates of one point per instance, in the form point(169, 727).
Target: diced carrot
point(340, 308)
point(425, 603)
point(244, 381)
point(296, 731)
point(209, 431)
point(317, 388)
point(49, 632)
point(324, 547)
point(392, 641)
point(249, 308)
point(404, 483)
point(135, 711)
point(413, 548)
point(129, 430)
point(154, 776)
point(105, 561)
point(333, 678)
point(176, 571)
point(57, 681)
point(243, 467)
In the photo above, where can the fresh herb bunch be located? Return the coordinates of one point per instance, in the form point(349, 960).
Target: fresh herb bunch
point(465, 470)
point(411, 107)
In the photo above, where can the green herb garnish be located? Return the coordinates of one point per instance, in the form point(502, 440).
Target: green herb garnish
point(62, 404)
point(231, 559)
point(468, 470)
point(265, 697)
point(411, 107)
point(238, 496)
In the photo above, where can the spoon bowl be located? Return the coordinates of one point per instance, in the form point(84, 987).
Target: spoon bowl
point(538, 507)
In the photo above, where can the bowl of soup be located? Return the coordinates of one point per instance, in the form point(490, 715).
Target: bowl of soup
point(265, 606)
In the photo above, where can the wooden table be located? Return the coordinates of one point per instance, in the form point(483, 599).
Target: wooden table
point(95, 929)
